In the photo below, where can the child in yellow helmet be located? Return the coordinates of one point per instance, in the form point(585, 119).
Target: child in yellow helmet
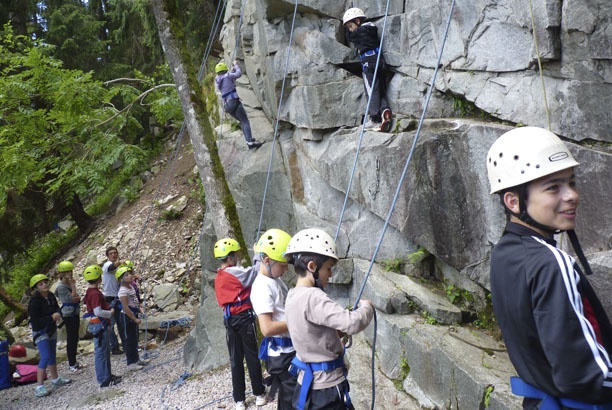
point(233, 291)
point(226, 84)
point(268, 296)
point(44, 312)
point(67, 293)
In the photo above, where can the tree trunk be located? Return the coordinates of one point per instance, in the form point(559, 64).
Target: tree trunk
point(220, 203)
point(15, 306)
point(82, 218)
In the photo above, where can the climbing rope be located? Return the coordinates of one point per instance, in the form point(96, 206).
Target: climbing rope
point(280, 104)
point(416, 138)
point(535, 41)
point(214, 32)
point(365, 117)
point(243, 2)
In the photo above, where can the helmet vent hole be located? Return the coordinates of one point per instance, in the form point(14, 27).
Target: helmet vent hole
point(516, 157)
point(537, 166)
point(499, 180)
point(494, 163)
point(522, 171)
point(528, 164)
point(501, 154)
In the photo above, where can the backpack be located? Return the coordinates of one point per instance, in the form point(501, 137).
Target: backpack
point(27, 374)
point(5, 369)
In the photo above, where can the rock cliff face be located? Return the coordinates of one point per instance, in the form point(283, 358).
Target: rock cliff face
point(489, 70)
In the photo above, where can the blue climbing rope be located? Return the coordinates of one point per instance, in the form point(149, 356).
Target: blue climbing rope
point(213, 33)
point(416, 138)
point(365, 117)
point(280, 104)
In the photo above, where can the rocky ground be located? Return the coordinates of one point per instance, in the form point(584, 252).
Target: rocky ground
point(151, 388)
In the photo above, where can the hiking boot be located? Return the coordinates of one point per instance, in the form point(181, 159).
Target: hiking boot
point(116, 351)
point(41, 391)
point(240, 405)
point(260, 400)
point(385, 126)
point(254, 144)
point(143, 362)
point(60, 381)
point(134, 366)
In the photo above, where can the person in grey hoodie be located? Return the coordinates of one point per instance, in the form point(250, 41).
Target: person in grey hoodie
point(226, 84)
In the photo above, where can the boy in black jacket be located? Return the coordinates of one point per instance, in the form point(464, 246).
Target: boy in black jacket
point(365, 37)
point(558, 335)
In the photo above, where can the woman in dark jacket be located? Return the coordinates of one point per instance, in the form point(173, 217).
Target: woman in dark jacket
point(44, 313)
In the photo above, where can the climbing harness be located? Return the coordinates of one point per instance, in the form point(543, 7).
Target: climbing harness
point(520, 388)
point(280, 105)
point(273, 343)
point(226, 308)
point(309, 369)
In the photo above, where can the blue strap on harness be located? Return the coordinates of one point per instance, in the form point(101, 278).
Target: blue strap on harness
point(308, 369)
point(370, 53)
point(230, 94)
point(226, 308)
point(274, 343)
point(520, 388)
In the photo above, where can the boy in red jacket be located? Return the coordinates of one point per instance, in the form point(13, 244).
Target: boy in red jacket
point(233, 291)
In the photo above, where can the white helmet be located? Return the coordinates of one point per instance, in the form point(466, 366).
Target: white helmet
point(525, 154)
point(312, 241)
point(352, 14)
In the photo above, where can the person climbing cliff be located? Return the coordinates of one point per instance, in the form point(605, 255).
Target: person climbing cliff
point(226, 84)
point(365, 37)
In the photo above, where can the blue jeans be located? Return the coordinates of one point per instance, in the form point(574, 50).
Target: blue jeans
point(102, 355)
point(46, 348)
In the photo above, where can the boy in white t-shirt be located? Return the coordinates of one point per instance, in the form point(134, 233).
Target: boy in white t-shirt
point(268, 295)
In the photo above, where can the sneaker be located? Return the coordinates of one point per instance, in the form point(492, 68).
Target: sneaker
point(41, 391)
point(143, 362)
point(60, 381)
point(76, 369)
point(385, 126)
point(134, 366)
point(254, 144)
point(371, 125)
point(240, 405)
point(260, 400)
point(114, 380)
point(116, 351)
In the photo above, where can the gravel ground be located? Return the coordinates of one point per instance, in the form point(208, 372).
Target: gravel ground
point(138, 390)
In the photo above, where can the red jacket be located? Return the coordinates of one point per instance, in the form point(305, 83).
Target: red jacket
point(233, 286)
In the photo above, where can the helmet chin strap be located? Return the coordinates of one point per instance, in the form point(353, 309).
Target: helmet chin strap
point(315, 274)
point(524, 216)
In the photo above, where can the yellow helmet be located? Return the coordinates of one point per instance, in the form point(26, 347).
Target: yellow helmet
point(129, 264)
point(92, 272)
point(224, 247)
point(65, 266)
point(274, 243)
point(37, 278)
point(121, 271)
point(220, 67)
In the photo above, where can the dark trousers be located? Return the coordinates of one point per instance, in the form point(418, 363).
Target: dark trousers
point(72, 324)
point(234, 108)
point(281, 379)
point(241, 338)
point(129, 330)
point(331, 398)
point(377, 88)
point(114, 321)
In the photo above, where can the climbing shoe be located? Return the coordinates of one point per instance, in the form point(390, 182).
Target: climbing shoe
point(254, 144)
point(385, 126)
point(60, 381)
point(41, 391)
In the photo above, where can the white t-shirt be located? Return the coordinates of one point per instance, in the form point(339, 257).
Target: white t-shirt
point(268, 296)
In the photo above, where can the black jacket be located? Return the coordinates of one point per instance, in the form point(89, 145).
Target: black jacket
point(539, 296)
point(365, 37)
point(40, 310)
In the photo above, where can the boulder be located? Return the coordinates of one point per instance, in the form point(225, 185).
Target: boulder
point(205, 347)
point(65, 225)
point(154, 322)
point(92, 257)
point(179, 205)
point(166, 297)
